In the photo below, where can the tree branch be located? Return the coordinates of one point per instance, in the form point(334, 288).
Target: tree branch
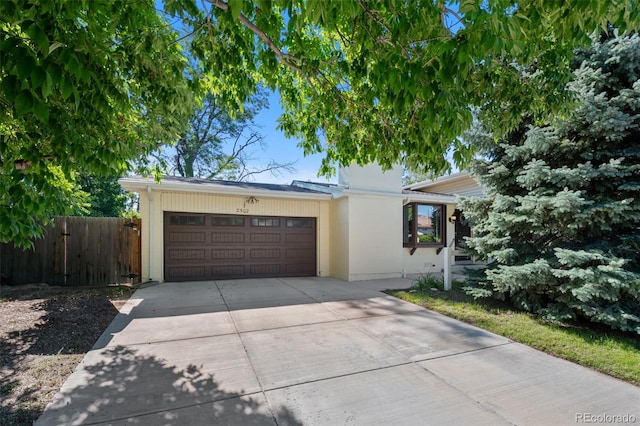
point(178, 40)
point(285, 58)
point(368, 12)
point(444, 10)
point(273, 167)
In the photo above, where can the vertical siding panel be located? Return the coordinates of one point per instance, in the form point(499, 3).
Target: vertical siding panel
point(145, 230)
point(228, 204)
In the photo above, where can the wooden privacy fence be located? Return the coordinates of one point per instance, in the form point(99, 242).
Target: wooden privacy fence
point(77, 251)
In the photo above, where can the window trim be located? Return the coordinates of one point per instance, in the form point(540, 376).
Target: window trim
point(194, 216)
point(233, 221)
point(415, 243)
point(299, 222)
point(265, 222)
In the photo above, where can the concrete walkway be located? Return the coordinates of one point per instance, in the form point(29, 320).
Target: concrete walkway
point(320, 351)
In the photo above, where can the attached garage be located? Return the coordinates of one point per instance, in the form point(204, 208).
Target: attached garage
point(198, 229)
point(215, 246)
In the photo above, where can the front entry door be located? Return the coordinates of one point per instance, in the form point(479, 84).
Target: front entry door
point(462, 229)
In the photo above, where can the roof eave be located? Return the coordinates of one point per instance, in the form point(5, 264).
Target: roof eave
point(442, 179)
point(141, 185)
point(424, 198)
point(431, 198)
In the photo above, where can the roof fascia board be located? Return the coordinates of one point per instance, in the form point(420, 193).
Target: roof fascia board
point(432, 198)
point(137, 185)
point(442, 179)
point(333, 190)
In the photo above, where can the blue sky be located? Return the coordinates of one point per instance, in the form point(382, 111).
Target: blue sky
point(283, 150)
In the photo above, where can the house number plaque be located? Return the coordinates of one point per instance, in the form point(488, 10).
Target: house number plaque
point(244, 209)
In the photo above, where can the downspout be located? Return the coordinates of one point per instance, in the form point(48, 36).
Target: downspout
point(151, 232)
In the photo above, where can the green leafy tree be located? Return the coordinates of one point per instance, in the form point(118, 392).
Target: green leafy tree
point(395, 80)
point(85, 86)
point(217, 145)
point(561, 220)
point(105, 196)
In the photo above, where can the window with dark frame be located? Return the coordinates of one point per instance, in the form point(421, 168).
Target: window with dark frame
point(423, 225)
point(186, 220)
point(227, 221)
point(265, 222)
point(300, 223)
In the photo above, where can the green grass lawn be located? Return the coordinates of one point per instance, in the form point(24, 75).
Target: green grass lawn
point(591, 345)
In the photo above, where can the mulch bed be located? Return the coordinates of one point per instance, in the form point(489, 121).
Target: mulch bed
point(44, 333)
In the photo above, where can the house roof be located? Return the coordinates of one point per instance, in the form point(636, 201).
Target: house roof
point(453, 177)
point(178, 183)
point(305, 183)
point(408, 195)
point(297, 189)
point(429, 197)
point(458, 184)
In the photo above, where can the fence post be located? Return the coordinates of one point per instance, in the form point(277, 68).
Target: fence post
point(447, 268)
point(65, 234)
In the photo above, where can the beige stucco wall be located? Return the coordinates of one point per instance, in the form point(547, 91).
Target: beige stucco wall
point(375, 234)
point(423, 261)
point(324, 224)
point(144, 236)
point(189, 202)
point(371, 177)
point(366, 240)
point(339, 239)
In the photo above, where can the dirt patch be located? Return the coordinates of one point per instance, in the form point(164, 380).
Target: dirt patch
point(44, 333)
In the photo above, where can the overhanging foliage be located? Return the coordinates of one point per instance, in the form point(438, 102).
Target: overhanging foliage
point(88, 85)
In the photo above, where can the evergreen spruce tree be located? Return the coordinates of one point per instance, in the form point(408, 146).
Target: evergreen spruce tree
point(561, 219)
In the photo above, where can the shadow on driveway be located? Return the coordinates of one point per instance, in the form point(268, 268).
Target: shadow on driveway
point(126, 386)
point(318, 352)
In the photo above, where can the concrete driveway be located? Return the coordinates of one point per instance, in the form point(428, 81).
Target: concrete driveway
point(320, 351)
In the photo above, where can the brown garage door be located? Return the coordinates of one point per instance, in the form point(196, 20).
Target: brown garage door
point(205, 246)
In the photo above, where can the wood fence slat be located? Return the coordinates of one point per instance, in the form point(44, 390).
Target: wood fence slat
point(90, 251)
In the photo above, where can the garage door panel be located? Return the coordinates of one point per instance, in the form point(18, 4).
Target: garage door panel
point(295, 238)
point(186, 254)
point(265, 270)
point(227, 247)
point(228, 253)
point(187, 237)
point(230, 271)
point(228, 237)
point(300, 253)
point(265, 254)
point(185, 219)
point(184, 273)
point(297, 269)
point(265, 238)
point(226, 221)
